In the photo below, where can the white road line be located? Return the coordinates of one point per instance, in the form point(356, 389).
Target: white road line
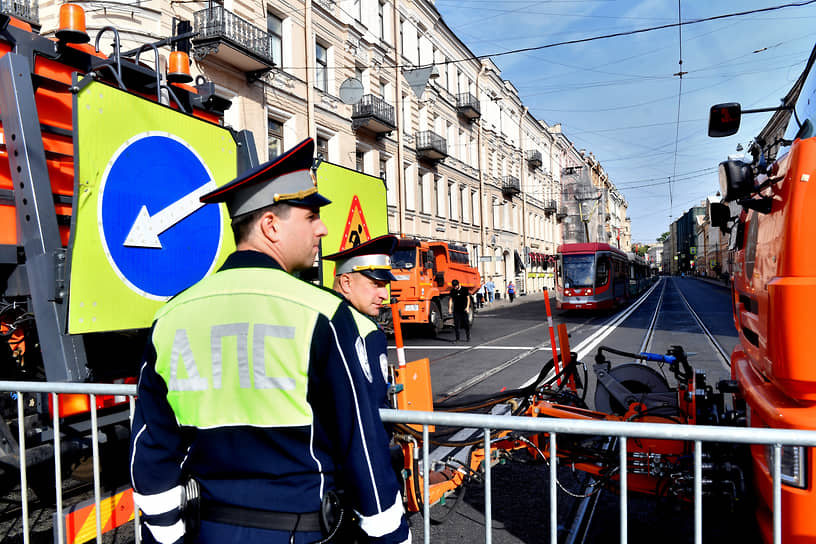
point(465, 346)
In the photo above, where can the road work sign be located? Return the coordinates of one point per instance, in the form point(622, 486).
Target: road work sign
point(141, 234)
point(358, 211)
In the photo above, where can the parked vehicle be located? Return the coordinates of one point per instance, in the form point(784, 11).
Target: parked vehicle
point(424, 272)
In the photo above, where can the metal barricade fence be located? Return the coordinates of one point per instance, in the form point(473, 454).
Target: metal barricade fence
point(777, 438)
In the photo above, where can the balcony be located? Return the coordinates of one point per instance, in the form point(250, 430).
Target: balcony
point(233, 41)
point(26, 11)
point(550, 206)
point(510, 186)
point(534, 158)
point(373, 113)
point(468, 106)
point(431, 146)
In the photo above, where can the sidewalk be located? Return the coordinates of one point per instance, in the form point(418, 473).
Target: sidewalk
point(713, 281)
point(504, 302)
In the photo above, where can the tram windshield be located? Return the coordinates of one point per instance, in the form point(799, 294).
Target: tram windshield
point(404, 258)
point(578, 271)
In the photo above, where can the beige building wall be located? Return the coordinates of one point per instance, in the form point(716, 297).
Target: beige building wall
point(486, 193)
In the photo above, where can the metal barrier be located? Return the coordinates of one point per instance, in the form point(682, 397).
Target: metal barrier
point(622, 430)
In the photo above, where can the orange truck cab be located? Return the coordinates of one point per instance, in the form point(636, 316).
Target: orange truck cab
point(424, 272)
point(768, 211)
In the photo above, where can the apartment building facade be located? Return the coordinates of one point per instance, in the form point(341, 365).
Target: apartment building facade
point(385, 87)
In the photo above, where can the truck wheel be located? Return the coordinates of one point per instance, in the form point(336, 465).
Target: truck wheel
point(435, 320)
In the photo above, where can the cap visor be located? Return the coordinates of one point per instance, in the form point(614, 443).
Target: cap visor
point(379, 275)
point(315, 200)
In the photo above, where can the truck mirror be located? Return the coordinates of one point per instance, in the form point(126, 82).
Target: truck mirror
point(736, 180)
point(720, 216)
point(724, 119)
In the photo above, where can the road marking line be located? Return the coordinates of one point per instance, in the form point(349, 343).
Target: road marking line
point(465, 346)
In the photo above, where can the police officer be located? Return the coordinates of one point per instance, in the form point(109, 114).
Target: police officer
point(253, 387)
point(362, 274)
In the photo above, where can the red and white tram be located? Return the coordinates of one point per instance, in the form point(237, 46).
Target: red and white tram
point(591, 276)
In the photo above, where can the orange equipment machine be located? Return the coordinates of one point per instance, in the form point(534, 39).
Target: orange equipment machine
point(626, 392)
point(424, 272)
point(769, 212)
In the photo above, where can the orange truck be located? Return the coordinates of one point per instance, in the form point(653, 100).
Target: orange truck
point(768, 212)
point(424, 272)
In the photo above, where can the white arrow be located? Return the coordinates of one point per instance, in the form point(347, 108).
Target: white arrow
point(146, 229)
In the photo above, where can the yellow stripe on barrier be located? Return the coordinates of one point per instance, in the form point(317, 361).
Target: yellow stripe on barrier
point(115, 510)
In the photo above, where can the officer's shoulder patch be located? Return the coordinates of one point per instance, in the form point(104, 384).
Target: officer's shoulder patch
point(359, 345)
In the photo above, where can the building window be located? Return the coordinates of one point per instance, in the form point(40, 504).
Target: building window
point(435, 193)
point(402, 35)
point(453, 213)
point(424, 201)
point(357, 9)
point(406, 114)
point(274, 133)
point(322, 148)
point(274, 26)
point(359, 160)
point(381, 19)
point(322, 68)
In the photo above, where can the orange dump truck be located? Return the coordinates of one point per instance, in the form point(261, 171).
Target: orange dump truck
point(769, 214)
point(424, 272)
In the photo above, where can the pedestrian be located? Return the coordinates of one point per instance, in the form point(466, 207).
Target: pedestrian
point(511, 291)
point(253, 390)
point(361, 276)
point(490, 287)
point(480, 295)
point(459, 304)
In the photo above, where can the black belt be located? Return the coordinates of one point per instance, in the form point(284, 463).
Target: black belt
point(308, 522)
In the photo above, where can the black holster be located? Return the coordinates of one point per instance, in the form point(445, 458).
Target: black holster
point(338, 521)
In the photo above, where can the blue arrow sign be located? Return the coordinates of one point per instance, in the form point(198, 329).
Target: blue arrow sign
point(157, 235)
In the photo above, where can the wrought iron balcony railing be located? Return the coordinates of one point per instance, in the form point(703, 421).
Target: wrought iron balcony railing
point(468, 106)
point(534, 157)
point(431, 145)
point(511, 185)
point(374, 113)
point(550, 206)
point(28, 11)
point(216, 25)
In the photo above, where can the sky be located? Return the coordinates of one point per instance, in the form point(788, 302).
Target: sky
point(620, 97)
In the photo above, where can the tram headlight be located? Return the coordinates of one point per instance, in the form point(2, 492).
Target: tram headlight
point(794, 470)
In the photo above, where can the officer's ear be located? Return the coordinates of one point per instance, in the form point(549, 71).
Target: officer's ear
point(269, 224)
point(344, 282)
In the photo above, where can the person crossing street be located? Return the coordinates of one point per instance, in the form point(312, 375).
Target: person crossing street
point(459, 305)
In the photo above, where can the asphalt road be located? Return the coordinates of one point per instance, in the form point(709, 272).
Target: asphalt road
point(509, 345)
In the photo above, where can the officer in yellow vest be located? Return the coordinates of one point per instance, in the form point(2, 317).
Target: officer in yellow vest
point(361, 276)
point(253, 386)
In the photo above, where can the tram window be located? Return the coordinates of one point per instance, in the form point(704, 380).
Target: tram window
point(602, 272)
point(577, 270)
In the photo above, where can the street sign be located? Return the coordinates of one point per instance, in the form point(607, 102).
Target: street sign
point(358, 210)
point(356, 231)
point(141, 235)
point(167, 205)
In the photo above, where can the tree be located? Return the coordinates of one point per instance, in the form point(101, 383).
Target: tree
point(663, 237)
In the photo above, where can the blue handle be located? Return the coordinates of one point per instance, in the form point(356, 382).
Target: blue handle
point(671, 359)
